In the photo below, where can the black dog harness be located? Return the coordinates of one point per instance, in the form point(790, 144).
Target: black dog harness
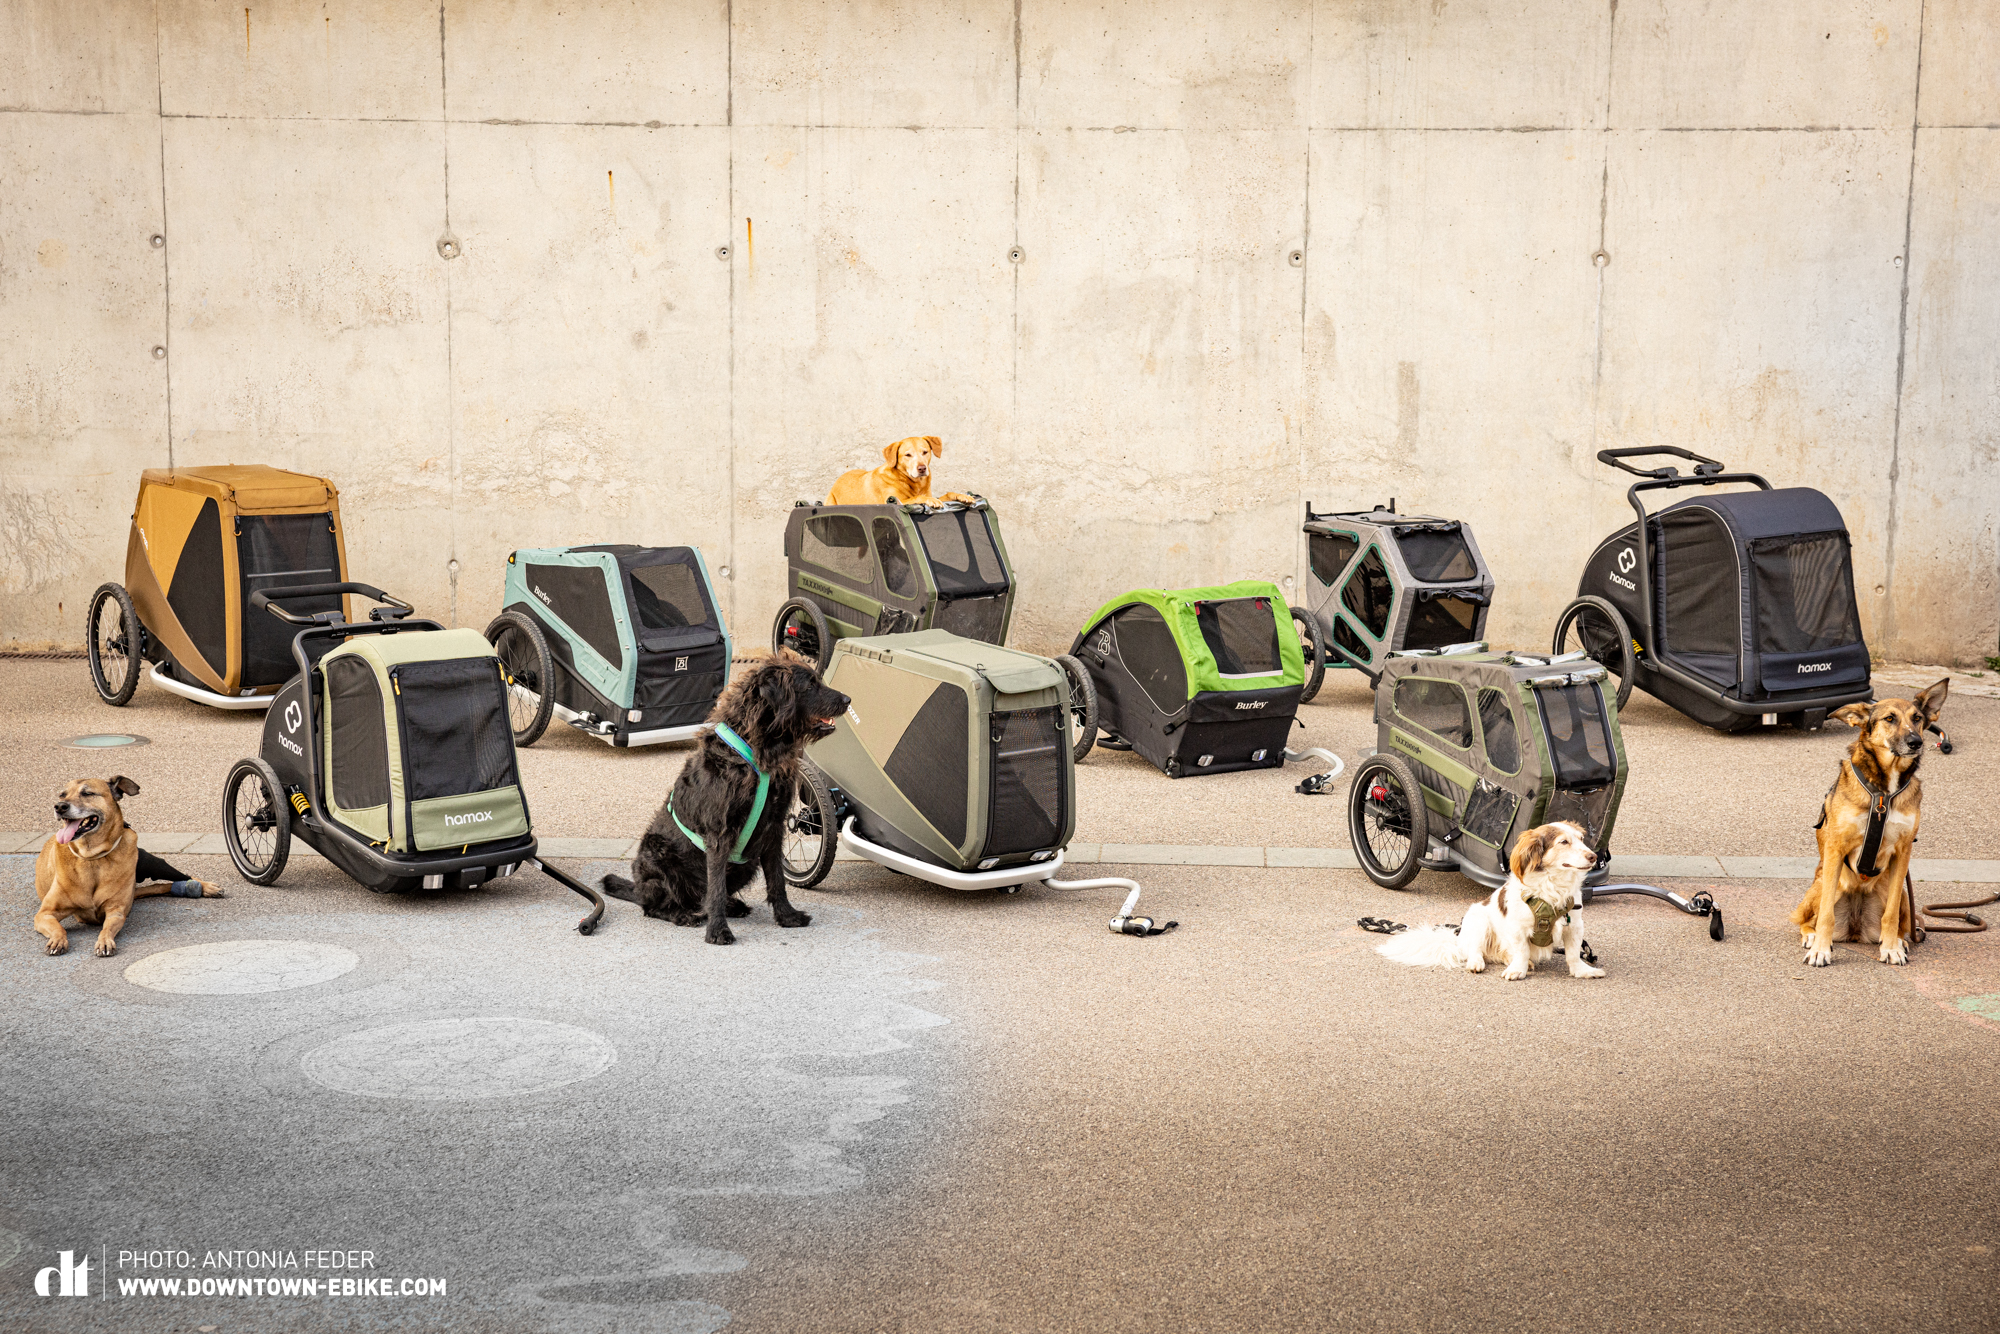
point(1879, 803)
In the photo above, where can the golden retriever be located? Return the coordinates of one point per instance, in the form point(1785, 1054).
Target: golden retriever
point(903, 479)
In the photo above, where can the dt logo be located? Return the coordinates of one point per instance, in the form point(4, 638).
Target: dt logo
point(73, 1278)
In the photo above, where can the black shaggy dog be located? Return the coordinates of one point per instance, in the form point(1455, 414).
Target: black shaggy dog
point(779, 707)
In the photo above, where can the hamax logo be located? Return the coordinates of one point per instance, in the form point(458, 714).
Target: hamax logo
point(72, 1279)
point(1627, 559)
point(1252, 704)
point(293, 716)
point(475, 817)
point(1805, 667)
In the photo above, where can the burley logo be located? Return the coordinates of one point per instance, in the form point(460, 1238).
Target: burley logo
point(1252, 704)
point(72, 1278)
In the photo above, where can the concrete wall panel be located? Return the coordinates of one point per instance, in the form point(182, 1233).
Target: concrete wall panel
point(1947, 574)
point(82, 397)
point(1961, 76)
point(1718, 64)
point(1450, 323)
point(937, 63)
point(1158, 382)
point(1758, 324)
point(309, 324)
point(1484, 64)
point(589, 343)
point(58, 55)
point(873, 302)
point(349, 59)
point(635, 62)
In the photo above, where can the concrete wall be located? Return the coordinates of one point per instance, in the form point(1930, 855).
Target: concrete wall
point(1797, 206)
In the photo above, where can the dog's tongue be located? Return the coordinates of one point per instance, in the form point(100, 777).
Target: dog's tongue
point(69, 831)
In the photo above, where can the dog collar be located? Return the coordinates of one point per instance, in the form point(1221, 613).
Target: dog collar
point(93, 856)
point(742, 748)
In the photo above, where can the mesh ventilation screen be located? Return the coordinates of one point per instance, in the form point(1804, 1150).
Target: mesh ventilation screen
point(1496, 724)
point(1329, 553)
point(897, 572)
point(1027, 784)
point(1805, 593)
point(455, 731)
point(1579, 741)
point(1586, 808)
point(838, 543)
point(1343, 635)
point(1147, 648)
point(962, 555)
point(973, 618)
point(1437, 558)
point(580, 597)
point(1700, 610)
point(1436, 706)
point(929, 764)
point(1489, 813)
point(668, 597)
point(1368, 594)
point(357, 735)
point(1242, 634)
point(196, 593)
point(1436, 622)
point(275, 552)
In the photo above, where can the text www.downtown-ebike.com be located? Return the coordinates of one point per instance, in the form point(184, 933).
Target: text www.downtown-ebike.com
point(320, 1286)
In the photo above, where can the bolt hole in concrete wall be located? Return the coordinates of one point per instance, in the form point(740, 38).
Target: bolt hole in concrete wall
point(511, 284)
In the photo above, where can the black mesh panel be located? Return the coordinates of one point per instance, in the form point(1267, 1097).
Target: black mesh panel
point(1579, 742)
point(455, 731)
point(973, 618)
point(357, 734)
point(898, 574)
point(1584, 807)
point(1437, 558)
point(1496, 723)
point(1027, 781)
point(1368, 594)
point(1437, 622)
point(962, 555)
point(1436, 706)
point(1805, 593)
point(1242, 634)
point(1329, 553)
point(276, 552)
point(196, 593)
point(929, 764)
point(1699, 603)
point(1344, 636)
point(579, 597)
point(668, 597)
point(1489, 813)
point(1147, 648)
point(837, 542)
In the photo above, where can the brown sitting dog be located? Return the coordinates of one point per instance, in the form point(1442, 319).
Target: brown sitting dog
point(904, 478)
point(90, 870)
point(1867, 829)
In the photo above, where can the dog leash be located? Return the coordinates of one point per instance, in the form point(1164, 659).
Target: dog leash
point(742, 748)
point(1382, 926)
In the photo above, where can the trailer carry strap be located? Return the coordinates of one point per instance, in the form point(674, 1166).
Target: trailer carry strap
point(742, 748)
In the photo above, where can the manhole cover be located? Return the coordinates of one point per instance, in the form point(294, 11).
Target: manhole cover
point(103, 740)
point(242, 967)
point(447, 1060)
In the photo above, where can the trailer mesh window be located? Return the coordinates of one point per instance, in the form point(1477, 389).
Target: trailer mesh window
point(1585, 808)
point(962, 555)
point(1436, 706)
point(1699, 606)
point(579, 597)
point(456, 736)
point(897, 572)
point(1496, 724)
point(1489, 813)
point(275, 552)
point(1805, 593)
point(1579, 742)
point(1369, 593)
point(668, 597)
point(1329, 553)
point(1438, 622)
point(973, 618)
point(929, 762)
point(1242, 634)
point(837, 542)
point(357, 735)
point(1437, 557)
point(1147, 648)
point(1027, 805)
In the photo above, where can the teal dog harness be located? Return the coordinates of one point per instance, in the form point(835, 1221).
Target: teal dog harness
point(741, 747)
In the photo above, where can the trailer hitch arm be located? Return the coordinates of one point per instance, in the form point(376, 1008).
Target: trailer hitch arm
point(596, 913)
point(1701, 905)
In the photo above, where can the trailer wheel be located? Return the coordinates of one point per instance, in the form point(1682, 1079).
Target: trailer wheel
point(256, 822)
point(1600, 630)
point(524, 655)
point(812, 830)
point(116, 647)
point(1082, 704)
point(1387, 820)
point(801, 628)
point(1308, 629)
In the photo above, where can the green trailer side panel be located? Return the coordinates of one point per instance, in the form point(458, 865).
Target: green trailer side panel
point(1177, 607)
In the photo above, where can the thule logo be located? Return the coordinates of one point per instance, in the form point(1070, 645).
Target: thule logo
point(1252, 704)
point(476, 817)
point(1805, 667)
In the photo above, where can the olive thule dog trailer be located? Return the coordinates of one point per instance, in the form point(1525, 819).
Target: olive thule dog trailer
point(1379, 582)
point(204, 541)
point(388, 752)
point(953, 763)
point(1474, 748)
point(1736, 608)
point(624, 643)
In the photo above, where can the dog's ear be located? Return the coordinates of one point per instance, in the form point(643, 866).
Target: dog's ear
point(1854, 715)
point(937, 446)
point(123, 786)
point(1528, 850)
point(1932, 700)
point(889, 451)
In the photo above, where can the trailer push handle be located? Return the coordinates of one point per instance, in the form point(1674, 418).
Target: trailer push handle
point(265, 600)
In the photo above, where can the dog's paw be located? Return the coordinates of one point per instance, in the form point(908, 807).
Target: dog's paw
point(738, 908)
point(209, 891)
point(58, 945)
point(1805, 940)
point(720, 934)
point(1816, 958)
point(1476, 964)
point(1585, 970)
point(1515, 972)
point(1893, 952)
point(796, 919)
point(106, 947)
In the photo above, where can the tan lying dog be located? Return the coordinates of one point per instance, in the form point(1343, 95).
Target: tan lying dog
point(1877, 783)
point(904, 478)
point(88, 870)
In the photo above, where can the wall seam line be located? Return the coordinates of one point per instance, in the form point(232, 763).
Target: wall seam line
point(166, 232)
point(1888, 627)
point(450, 364)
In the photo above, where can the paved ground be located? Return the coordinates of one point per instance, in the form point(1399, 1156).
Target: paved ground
point(940, 1112)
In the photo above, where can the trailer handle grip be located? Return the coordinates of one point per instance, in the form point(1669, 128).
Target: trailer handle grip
point(266, 599)
point(1703, 465)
